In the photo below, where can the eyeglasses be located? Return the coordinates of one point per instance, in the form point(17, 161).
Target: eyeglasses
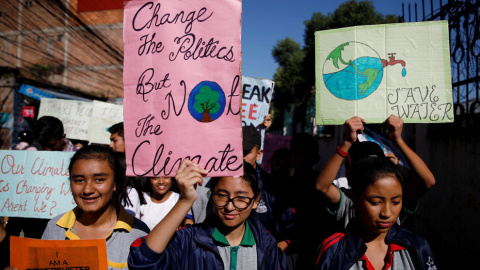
point(240, 202)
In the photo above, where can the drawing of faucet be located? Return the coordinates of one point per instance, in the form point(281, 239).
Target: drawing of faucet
point(392, 61)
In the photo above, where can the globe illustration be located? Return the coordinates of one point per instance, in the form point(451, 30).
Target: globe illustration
point(352, 71)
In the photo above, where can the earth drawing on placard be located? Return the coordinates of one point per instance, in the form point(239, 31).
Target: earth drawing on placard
point(361, 75)
point(206, 102)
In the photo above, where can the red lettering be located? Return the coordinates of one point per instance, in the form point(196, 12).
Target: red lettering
point(9, 162)
point(4, 188)
point(43, 169)
point(252, 111)
point(243, 111)
point(39, 209)
point(64, 192)
point(14, 207)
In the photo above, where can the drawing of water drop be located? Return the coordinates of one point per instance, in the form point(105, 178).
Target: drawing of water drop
point(404, 72)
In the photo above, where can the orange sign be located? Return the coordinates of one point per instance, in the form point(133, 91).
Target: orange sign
point(33, 254)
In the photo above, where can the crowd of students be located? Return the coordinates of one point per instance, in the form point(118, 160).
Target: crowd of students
point(290, 218)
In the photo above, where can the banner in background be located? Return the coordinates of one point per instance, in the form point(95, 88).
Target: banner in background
point(34, 183)
point(104, 115)
point(182, 86)
point(378, 70)
point(256, 96)
point(88, 121)
point(58, 254)
point(75, 115)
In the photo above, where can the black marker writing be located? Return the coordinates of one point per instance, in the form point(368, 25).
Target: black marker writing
point(236, 81)
point(145, 84)
point(149, 45)
point(146, 17)
point(191, 48)
point(171, 103)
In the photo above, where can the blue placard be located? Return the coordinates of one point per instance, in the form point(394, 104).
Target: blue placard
point(34, 183)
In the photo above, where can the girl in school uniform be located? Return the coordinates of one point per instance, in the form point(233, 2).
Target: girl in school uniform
point(373, 239)
point(230, 238)
point(98, 186)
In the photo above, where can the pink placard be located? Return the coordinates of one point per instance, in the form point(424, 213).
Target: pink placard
point(182, 86)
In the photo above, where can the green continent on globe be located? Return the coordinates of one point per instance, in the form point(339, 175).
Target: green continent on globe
point(372, 75)
point(336, 54)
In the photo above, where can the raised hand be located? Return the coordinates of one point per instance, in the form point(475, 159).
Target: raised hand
point(189, 174)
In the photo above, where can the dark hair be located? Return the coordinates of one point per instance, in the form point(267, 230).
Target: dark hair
point(103, 153)
point(370, 169)
point(117, 128)
point(129, 182)
point(25, 136)
point(47, 128)
point(360, 150)
point(249, 175)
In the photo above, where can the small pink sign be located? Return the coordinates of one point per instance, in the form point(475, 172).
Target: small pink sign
point(182, 86)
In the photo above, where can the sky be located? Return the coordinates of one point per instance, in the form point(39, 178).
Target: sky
point(265, 22)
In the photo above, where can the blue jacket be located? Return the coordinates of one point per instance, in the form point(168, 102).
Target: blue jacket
point(275, 214)
point(193, 248)
point(341, 251)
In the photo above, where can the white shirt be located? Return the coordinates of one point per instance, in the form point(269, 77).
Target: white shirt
point(152, 213)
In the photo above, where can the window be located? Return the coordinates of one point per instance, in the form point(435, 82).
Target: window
point(59, 37)
point(28, 3)
point(39, 39)
point(50, 45)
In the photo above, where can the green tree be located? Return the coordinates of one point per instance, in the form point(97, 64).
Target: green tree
point(289, 74)
point(295, 76)
point(206, 102)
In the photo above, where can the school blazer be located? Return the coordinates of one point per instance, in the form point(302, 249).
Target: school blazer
point(343, 251)
point(193, 248)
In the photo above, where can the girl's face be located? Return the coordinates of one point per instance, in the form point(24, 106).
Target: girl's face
point(380, 204)
point(231, 187)
point(161, 185)
point(92, 183)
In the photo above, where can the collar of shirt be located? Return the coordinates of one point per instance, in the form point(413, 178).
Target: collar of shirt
point(67, 221)
point(247, 240)
point(389, 258)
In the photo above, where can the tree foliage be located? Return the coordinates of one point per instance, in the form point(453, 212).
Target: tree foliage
point(288, 76)
point(207, 100)
point(295, 75)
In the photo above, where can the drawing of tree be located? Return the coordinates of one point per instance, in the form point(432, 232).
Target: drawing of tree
point(206, 102)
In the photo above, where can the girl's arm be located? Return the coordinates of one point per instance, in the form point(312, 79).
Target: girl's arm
point(353, 126)
point(427, 180)
point(188, 176)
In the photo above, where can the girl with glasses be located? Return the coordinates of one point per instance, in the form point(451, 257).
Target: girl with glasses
point(228, 239)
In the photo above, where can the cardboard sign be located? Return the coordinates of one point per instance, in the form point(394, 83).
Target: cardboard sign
point(182, 86)
point(104, 115)
point(88, 121)
point(34, 183)
point(31, 254)
point(256, 96)
point(378, 70)
point(75, 115)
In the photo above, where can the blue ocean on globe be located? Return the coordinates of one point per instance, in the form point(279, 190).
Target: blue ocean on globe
point(357, 81)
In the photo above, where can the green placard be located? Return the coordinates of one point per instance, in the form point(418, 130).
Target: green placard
point(378, 70)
